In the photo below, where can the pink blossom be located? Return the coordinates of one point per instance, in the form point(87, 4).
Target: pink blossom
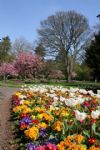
point(40, 148)
point(50, 146)
point(27, 64)
point(56, 74)
point(8, 69)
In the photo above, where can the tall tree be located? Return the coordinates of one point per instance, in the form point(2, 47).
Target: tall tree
point(5, 49)
point(40, 50)
point(92, 56)
point(21, 45)
point(64, 32)
point(47, 67)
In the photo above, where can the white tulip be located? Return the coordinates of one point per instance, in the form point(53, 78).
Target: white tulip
point(80, 115)
point(95, 114)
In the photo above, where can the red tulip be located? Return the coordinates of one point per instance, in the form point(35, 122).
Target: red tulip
point(92, 140)
point(92, 121)
point(94, 101)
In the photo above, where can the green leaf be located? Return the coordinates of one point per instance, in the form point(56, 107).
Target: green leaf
point(86, 133)
point(94, 127)
point(16, 122)
point(98, 134)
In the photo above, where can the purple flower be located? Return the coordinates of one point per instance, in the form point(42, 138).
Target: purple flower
point(43, 132)
point(26, 120)
point(30, 146)
point(51, 140)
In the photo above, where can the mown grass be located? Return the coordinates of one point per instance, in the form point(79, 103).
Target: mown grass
point(11, 83)
point(78, 84)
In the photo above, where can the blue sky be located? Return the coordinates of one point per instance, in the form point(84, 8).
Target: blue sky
point(21, 18)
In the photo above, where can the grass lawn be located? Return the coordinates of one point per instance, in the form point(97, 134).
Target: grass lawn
point(79, 84)
point(11, 83)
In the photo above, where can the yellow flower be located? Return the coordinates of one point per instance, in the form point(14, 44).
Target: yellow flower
point(78, 138)
point(32, 133)
point(19, 108)
point(82, 147)
point(56, 112)
point(73, 147)
point(38, 109)
point(47, 117)
point(40, 116)
point(61, 146)
point(17, 94)
point(67, 142)
point(27, 110)
point(26, 102)
point(94, 148)
point(78, 106)
point(42, 125)
point(33, 117)
point(69, 137)
point(64, 113)
point(57, 126)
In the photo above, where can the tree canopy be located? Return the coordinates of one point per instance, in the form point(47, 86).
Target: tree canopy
point(5, 49)
point(27, 64)
point(92, 57)
point(64, 33)
point(40, 50)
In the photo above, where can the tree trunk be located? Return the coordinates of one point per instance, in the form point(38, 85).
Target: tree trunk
point(69, 77)
point(69, 69)
point(4, 78)
point(67, 63)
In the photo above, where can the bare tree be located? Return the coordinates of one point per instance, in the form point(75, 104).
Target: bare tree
point(64, 32)
point(21, 44)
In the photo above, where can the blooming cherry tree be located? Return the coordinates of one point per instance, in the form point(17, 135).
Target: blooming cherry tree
point(28, 64)
point(56, 74)
point(7, 69)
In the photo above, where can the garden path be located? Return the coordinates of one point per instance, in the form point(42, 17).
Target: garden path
point(5, 124)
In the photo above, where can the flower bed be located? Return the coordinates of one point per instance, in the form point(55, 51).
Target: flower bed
point(56, 118)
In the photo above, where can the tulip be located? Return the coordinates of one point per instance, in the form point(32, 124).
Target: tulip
point(92, 140)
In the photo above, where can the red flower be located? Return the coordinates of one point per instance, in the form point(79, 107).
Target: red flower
point(50, 146)
point(91, 109)
point(73, 113)
point(92, 140)
point(93, 121)
point(15, 98)
point(24, 115)
point(94, 101)
point(23, 126)
point(36, 121)
point(47, 106)
point(86, 103)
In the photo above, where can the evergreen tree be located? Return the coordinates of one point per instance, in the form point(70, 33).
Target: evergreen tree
point(39, 50)
point(92, 57)
point(5, 49)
